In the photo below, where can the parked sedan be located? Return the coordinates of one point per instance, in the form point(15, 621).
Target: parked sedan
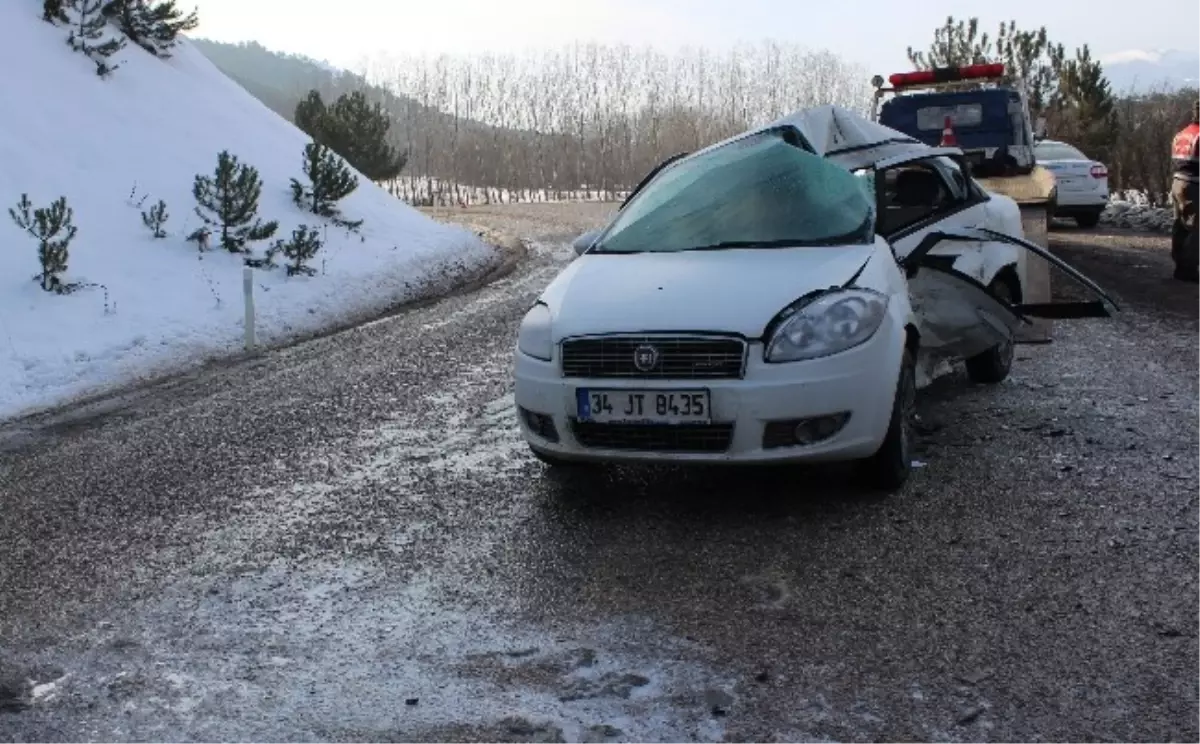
point(768, 300)
point(1082, 182)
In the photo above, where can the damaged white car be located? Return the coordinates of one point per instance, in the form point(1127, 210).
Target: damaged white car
point(766, 300)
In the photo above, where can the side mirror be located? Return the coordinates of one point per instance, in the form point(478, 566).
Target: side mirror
point(584, 241)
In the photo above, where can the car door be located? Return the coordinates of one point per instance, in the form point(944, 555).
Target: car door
point(942, 250)
point(916, 195)
point(959, 306)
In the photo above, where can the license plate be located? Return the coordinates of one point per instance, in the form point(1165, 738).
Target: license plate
point(643, 406)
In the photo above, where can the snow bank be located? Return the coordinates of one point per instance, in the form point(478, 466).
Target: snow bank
point(157, 123)
point(1137, 216)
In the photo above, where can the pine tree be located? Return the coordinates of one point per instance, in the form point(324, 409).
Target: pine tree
point(88, 32)
point(1028, 56)
point(156, 218)
point(356, 130)
point(310, 115)
point(330, 181)
point(300, 249)
point(53, 12)
point(154, 26)
point(1086, 110)
point(229, 200)
point(45, 224)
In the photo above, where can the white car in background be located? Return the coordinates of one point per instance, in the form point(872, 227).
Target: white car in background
point(766, 300)
point(1082, 182)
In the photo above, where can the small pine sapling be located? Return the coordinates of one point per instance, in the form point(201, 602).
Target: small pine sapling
point(200, 237)
point(52, 12)
point(330, 181)
point(88, 32)
point(229, 200)
point(154, 26)
point(301, 249)
point(156, 218)
point(53, 229)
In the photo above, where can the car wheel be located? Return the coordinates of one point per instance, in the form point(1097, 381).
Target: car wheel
point(993, 365)
point(888, 469)
point(1087, 220)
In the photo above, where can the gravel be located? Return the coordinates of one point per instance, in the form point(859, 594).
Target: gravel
point(296, 546)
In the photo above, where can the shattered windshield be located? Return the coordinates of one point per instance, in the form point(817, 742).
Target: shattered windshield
point(761, 191)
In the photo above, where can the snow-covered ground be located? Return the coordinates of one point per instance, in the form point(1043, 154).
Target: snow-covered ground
point(113, 147)
point(1133, 211)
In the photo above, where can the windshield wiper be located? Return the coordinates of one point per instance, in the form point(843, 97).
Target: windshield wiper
point(730, 244)
point(797, 243)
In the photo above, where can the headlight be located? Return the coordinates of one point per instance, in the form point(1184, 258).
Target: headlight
point(828, 324)
point(534, 337)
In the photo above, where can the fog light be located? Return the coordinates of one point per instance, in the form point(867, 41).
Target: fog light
point(540, 424)
point(801, 432)
point(810, 431)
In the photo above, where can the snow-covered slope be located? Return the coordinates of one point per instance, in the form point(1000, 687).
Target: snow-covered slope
point(157, 123)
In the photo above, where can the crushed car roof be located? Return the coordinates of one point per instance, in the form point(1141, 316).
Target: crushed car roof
point(845, 137)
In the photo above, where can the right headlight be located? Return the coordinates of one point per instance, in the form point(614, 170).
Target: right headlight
point(533, 338)
point(827, 324)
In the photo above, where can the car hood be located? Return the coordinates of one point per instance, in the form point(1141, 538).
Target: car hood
point(731, 291)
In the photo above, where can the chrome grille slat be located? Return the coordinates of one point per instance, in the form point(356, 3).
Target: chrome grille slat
point(679, 357)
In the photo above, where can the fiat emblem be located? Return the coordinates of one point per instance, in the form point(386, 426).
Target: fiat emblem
point(645, 358)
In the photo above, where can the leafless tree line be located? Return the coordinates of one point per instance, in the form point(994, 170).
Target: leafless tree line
point(1141, 154)
point(588, 120)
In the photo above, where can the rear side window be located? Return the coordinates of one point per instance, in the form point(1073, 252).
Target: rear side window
point(961, 115)
point(1058, 151)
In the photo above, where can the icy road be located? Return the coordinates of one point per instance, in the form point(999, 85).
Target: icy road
point(347, 541)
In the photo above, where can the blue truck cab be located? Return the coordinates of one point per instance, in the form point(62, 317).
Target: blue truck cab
point(992, 125)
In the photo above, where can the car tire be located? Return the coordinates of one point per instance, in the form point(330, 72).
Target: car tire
point(992, 366)
point(888, 469)
point(1087, 220)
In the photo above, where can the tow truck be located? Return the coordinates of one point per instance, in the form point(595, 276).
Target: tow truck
point(971, 108)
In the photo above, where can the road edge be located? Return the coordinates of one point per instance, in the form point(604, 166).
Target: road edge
point(510, 251)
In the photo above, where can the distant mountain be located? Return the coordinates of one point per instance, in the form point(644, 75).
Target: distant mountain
point(1140, 71)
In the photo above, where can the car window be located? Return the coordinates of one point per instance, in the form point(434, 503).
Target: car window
point(954, 177)
point(1058, 151)
point(962, 115)
point(917, 191)
point(764, 190)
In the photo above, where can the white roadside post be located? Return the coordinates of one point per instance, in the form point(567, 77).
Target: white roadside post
point(248, 295)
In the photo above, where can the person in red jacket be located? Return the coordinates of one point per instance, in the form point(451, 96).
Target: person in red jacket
point(1185, 186)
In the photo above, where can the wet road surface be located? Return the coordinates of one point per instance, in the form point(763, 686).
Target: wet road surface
point(346, 540)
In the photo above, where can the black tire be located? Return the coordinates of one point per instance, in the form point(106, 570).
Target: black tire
point(992, 366)
point(888, 469)
point(1087, 220)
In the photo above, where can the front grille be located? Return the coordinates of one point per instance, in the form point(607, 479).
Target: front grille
point(660, 357)
point(654, 437)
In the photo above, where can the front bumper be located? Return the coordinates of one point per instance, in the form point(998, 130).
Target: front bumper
point(750, 417)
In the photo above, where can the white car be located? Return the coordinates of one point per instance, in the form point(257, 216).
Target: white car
point(1082, 182)
point(766, 300)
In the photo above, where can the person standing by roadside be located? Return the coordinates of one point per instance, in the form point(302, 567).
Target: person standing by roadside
point(1185, 188)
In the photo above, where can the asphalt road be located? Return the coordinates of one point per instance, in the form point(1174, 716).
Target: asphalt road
point(346, 540)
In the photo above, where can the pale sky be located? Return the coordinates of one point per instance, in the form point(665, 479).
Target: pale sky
point(873, 33)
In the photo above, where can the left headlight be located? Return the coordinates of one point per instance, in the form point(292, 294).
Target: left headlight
point(534, 337)
point(828, 324)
